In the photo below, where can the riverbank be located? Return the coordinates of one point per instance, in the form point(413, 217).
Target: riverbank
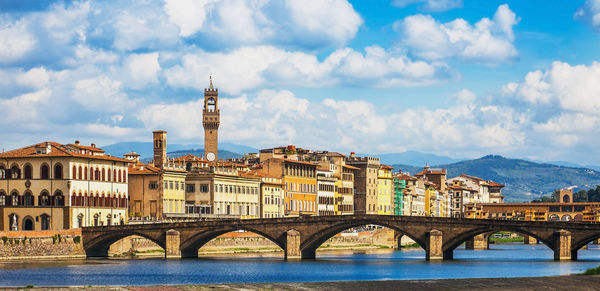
point(573, 282)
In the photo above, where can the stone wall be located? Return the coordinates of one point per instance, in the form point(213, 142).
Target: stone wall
point(40, 244)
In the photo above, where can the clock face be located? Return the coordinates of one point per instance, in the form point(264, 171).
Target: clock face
point(210, 156)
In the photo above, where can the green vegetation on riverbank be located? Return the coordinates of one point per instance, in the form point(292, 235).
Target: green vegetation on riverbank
point(592, 271)
point(499, 240)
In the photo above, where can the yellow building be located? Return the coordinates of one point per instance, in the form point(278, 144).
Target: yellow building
point(271, 195)
point(431, 199)
point(49, 186)
point(300, 180)
point(223, 193)
point(385, 190)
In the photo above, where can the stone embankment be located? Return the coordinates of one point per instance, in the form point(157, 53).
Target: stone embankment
point(19, 245)
point(67, 244)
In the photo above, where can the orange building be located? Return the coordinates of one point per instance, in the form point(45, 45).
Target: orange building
point(585, 211)
point(300, 184)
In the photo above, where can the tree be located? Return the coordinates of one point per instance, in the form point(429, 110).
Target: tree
point(580, 196)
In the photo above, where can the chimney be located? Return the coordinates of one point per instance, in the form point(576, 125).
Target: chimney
point(93, 145)
point(77, 142)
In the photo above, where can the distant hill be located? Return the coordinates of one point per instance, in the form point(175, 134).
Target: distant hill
point(524, 180)
point(414, 158)
point(145, 148)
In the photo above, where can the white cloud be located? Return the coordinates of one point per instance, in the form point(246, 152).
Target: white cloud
point(430, 5)
point(15, 41)
point(488, 41)
point(308, 24)
point(590, 13)
point(141, 70)
point(253, 67)
point(101, 94)
point(107, 130)
point(35, 77)
point(26, 107)
point(572, 88)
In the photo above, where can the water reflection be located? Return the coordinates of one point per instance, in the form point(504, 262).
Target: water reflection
point(507, 260)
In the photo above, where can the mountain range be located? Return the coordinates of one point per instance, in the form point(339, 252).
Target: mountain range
point(524, 180)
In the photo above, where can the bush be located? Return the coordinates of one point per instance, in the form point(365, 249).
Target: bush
point(76, 239)
point(54, 238)
point(592, 271)
point(4, 239)
point(24, 240)
point(59, 238)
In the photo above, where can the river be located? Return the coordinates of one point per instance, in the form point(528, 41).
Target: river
point(503, 260)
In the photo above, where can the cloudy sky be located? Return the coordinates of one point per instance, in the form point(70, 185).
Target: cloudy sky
point(462, 78)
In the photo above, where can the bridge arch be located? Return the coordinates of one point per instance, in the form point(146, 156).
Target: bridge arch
point(309, 245)
point(191, 245)
point(583, 242)
point(98, 247)
point(454, 242)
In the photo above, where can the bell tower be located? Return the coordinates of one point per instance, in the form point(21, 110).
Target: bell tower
point(211, 121)
point(160, 148)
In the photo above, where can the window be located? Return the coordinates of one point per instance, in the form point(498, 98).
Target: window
point(166, 185)
point(58, 171)
point(27, 171)
point(204, 188)
point(152, 185)
point(171, 185)
point(45, 172)
point(176, 186)
point(190, 188)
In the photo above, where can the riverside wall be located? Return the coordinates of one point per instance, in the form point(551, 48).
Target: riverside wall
point(15, 245)
point(18, 245)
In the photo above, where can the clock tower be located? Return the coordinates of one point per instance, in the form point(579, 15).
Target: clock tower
point(210, 121)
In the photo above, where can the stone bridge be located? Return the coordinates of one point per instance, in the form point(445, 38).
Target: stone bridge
point(300, 237)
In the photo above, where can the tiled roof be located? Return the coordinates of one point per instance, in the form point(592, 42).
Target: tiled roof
point(472, 177)
point(351, 167)
point(457, 187)
point(93, 149)
point(494, 184)
point(143, 169)
point(56, 150)
point(386, 167)
point(189, 158)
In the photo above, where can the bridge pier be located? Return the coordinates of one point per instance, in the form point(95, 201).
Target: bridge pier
point(292, 246)
point(562, 246)
point(434, 245)
point(397, 244)
point(478, 242)
point(529, 240)
point(172, 244)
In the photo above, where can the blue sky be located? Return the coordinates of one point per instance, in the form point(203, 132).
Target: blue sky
point(458, 78)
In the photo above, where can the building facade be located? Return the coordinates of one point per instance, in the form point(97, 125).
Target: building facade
point(365, 183)
point(326, 192)
point(51, 186)
point(385, 190)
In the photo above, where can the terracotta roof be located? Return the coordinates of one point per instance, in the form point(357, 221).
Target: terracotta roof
point(93, 149)
point(57, 150)
point(132, 154)
point(472, 177)
point(431, 172)
point(386, 167)
point(300, 162)
point(143, 169)
point(351, 167)
point(405, 177)
point(457, 187)
point(494, 184)
point(189, 158)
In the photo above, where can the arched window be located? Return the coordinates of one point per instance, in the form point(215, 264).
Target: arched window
point(45, 221)
point(92, 173)
point(566, 199)
point(188, 167)
point(103, 174)
point(15, 172)
point(79, 176)
point(2, 172)
point(97, 174)
point(59, 199)
point(124, 176)
point(85, 173)
point(74, 175)
point(114, 175)
point(2, 198)
point(58, 171)
point(27, 171)
point(119, 176)
point(44, 198)
point(108, 174)
point(14, 198)
point(28, 223)
point(28, 198)
point(44, 172)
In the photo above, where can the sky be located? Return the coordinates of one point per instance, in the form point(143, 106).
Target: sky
point(462, 78)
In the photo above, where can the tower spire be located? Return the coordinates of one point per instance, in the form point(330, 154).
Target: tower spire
point(211, 85)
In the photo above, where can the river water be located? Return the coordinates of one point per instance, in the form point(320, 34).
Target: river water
point(505, 260)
